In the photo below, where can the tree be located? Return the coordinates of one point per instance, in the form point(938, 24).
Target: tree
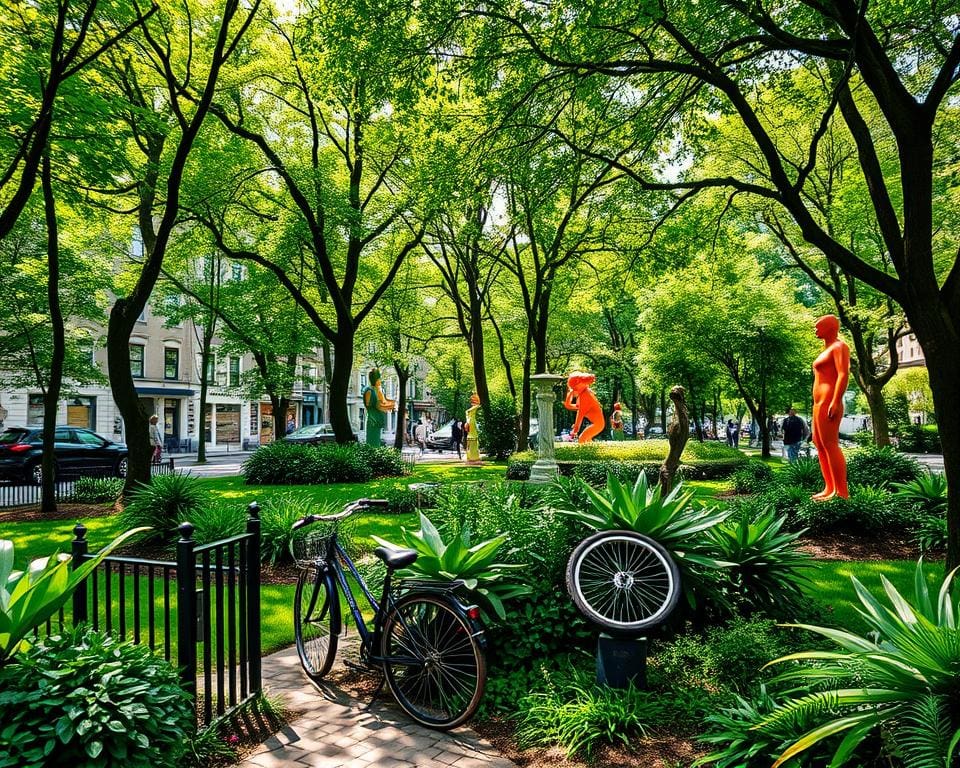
point(330, 116)
point(758, 337)
point(858, 54)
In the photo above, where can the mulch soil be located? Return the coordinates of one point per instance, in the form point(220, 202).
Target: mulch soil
point(71, 512)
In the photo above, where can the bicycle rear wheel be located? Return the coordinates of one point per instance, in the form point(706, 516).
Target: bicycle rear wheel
point(433, 663)
point(623, 581)
point(316, 619)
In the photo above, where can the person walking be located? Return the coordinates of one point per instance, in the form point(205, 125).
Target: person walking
point(794, 431)
point(733, 433)
point(156, 438)
point(456, 435)
point(421, 434)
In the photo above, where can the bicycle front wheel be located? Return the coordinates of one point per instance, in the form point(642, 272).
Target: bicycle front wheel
point(623, 581)
point(316, 618)
point(433, 663)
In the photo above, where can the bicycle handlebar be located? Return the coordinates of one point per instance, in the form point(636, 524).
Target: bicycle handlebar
point(348, 509)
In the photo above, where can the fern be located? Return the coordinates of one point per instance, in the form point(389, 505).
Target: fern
point(923, 733)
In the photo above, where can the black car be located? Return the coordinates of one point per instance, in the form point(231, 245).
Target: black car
point(78, 451)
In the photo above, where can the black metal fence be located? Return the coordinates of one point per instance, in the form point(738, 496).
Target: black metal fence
point(25, 494)
point(201, 611)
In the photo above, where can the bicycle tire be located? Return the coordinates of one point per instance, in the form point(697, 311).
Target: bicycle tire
point(316, 619)
point(622, 581)
point(445, 689)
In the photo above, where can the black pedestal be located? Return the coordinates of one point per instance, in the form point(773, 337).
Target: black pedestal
point(621, 661)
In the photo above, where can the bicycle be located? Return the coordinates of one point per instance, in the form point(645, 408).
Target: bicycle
point(622, 581)
point(429, 645)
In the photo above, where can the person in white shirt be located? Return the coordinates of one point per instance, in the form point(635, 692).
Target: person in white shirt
point(156, 437)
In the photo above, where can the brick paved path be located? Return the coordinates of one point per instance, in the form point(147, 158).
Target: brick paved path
point(336, 731)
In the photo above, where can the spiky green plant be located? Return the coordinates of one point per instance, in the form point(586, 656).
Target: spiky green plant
point(929, 490)
point(457, 559)
point(767, 575)
point(905, 682)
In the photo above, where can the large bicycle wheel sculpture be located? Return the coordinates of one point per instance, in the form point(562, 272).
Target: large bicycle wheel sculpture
point(622, 581)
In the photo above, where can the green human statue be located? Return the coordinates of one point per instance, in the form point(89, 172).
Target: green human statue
point(377, 405)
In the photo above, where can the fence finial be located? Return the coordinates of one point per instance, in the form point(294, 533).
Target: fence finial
point(253, 508)
point(186, 531)
point(80, 531)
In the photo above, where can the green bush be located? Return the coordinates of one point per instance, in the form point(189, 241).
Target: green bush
point(282, 463)
point(82, 699)
point(768, 568)
point(580, 716)
point(863, 437)
point(96, 490)
point(880, 467)
point(595, 471)
point(868, 511)
point(803, 473)
point(730, 657)
point(929, 492)
point(784, 500)
point(218, 521)
point(401, 501)
point(277, 516)
point(753, 477)
point(918, 438)
point(497, 425)
point(382, 461)
point(164, 503)
point(931, 533)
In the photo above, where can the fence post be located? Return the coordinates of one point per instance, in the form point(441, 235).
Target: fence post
point(79, 552)
point(187, 609)
point(253, 595)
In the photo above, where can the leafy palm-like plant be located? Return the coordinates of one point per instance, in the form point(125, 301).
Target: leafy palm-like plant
point(28, 598)
point(905, 682)
point(767, 574)
point(475, 565)
point(929, 490)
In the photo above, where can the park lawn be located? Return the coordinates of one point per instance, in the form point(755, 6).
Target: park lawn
point(830, 586)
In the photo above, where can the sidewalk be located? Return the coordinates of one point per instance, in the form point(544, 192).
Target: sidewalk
point(337, 731)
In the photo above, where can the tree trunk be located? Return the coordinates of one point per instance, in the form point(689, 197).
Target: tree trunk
point(477, 352)
point(663, 410)
point(204, 388)
point(280, 404)
point(340, 385)
point(403, 376)
point(51, 396)
point(943, 366)
point(525, 404)
point(878, 413)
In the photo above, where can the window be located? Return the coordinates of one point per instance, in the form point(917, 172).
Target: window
point(234, 372)
point(171, 363)
point(309, 377)
point(212, 369)
point(236, 271)
point(136, 360)
point(35, 410)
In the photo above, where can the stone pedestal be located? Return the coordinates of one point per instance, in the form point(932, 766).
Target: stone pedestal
point(622, 661)
point(544, 469)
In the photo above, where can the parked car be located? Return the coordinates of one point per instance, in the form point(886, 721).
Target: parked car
point(442, 439)
point(653, 431)
point(78, 452)
point(313, 434)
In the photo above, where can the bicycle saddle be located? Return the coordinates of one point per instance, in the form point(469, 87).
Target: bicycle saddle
point(396, 558)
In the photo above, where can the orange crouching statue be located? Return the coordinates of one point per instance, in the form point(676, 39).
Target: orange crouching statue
point(831, 372)
point(580, 398)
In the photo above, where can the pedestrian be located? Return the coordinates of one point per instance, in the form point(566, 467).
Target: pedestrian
point(733, 433)
point(156, 438)
point(421, 434)
point(753, 432)
point(456, 435)
point(291, 424)
point(616, 422)
point(794, 431)
point(429, 426)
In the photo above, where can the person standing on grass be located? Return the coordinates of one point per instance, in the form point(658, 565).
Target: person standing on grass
point(733, 433)
point(156, 438)
point(794, 430)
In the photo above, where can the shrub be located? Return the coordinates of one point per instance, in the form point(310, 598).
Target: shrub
point(282, 463)
point(382, 461)
point(729, 657)
point(497, 425)
point(863, 437)
point(218, 521)
point(931, 533)
point(458, 558)
point(784, 500)
point(803, 473)
point(86, 699)
point(917, 438)
point(868, 511)
point(343, 463)
point(901, 680)
point(880, 467)
point(401, 501)
point(580, 715)
point(164, 503)
point(277, 516)
point(96, 490)
point(753, 477)
point(767, 571)
point(929, 491)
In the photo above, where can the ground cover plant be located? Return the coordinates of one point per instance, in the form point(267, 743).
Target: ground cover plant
point(594, 461)
point(280, 463)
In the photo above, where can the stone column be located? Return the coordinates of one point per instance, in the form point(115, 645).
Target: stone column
point(544, 469)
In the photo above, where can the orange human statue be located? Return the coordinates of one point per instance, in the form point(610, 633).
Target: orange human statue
point(580, 398)
point(831, 372)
